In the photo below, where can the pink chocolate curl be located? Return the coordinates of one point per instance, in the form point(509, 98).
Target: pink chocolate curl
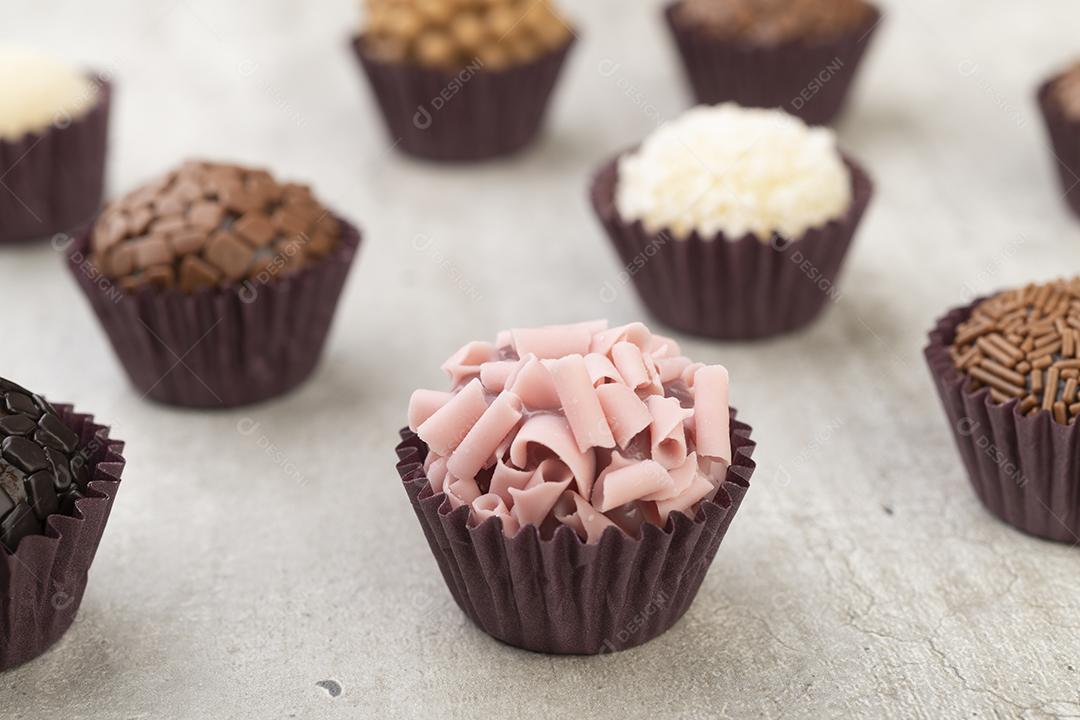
point(496, 375)
point(712, 421)
point(631, 365)
point(465, 364)
point(478, 448)
point(534, 503)
point(575, 512)
point(449, 424)
point(681, 478)
point(553, 341)
point(626, 414)
point(689, 373)
point(699, 488)
point(666, 430)
point(664, 347)
point(489, 506)
point(551, 470)
point(435, 469)
point(671, 368)
point(550, 435)
point(635, 333)
point(505, 477)
point(601, 370)
point(461, 492)
point(423, 405)
point(578, 399)
point(534, 385)
point(630, 483)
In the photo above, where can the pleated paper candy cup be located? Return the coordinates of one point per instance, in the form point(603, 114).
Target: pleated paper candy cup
point(805, 78)
point(42, 583)
point(561, 595)
point(1064, 136)
point(475, 114)
point(1024, 469)
point(53, 180)
point(222, 347)
point(731, 288)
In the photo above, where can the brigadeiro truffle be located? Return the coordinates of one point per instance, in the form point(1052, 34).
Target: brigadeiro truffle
point(463, 80)
point(1059, 100)
point(797, 55)
point(1007, 369)
point(53, 127)
point(216, 283)
point(732, 222)
point(59, 473)
point(575, 482)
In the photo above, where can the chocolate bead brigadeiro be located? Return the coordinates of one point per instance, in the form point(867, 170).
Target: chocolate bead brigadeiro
point(449, 34)
point(216, 283)
point(1059, 100)
point(1007, 369)
point(462, 80)
point(59, 473)
point(797, 55)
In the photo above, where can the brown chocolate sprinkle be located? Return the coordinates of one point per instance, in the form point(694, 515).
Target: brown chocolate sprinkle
point(207, 225)
point(1023, 345)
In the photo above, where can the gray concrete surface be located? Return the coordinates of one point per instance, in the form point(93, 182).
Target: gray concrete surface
point(282, 573)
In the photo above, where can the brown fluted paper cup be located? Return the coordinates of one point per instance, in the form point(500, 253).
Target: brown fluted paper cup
point(42, 583)
point(474, 114)
point(220, 347)
point(731, 288)
point(1064, 136)
point(1024, 470)
point(561, 595)
point(52, 181)
point(809, 79)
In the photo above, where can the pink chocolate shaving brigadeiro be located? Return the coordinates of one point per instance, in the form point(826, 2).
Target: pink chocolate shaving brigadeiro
point(577, 425)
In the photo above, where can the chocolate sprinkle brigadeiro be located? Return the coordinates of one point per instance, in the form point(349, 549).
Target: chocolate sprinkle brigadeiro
point(41, 470)
point(1026, 344)
point(207, 225)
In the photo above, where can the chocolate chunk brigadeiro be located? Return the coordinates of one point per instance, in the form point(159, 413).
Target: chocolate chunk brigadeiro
point(210, 225)
point(41, 468)
point(1025, 344)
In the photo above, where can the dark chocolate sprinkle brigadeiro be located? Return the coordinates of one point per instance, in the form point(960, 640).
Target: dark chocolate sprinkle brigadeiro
point(42, 471)
point(1025, 344)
